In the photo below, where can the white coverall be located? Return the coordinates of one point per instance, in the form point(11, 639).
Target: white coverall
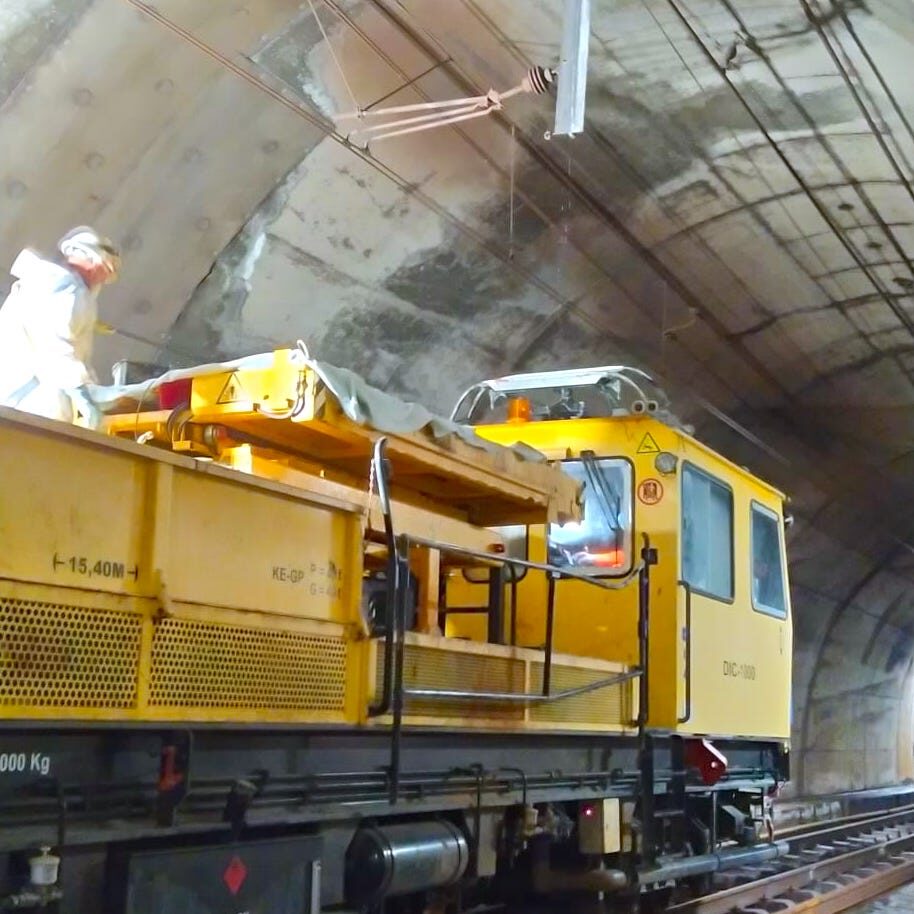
point(46, 331)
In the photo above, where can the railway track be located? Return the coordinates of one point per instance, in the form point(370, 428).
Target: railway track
point(830, 868)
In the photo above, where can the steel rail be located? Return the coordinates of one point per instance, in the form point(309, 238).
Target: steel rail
point(804, 829)
point(839, 829)
point(837, 880)
point(829, 885)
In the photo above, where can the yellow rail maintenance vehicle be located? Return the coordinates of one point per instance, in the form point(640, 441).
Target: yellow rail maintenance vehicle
point(269, 644)
point(718, 672)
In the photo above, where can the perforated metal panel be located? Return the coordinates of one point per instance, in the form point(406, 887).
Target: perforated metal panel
point(602, 707)
point(204, 665)
point(55, 655)
point(431, 668)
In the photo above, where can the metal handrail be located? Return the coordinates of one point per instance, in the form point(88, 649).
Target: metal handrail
point(496, 559)
point(379, 476)
point(554, 573)
point(393, 691)
point(526, 697)
point(688, 655)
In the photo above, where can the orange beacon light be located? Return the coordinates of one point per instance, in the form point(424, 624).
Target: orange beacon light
point(519, 409)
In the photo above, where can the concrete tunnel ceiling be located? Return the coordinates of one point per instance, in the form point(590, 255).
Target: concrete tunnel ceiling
point(738, 217)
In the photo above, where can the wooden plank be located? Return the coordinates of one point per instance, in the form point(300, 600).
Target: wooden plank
point(426, 565)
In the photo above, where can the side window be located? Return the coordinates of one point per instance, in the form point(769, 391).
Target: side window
point(768, 591)
point(707, 534)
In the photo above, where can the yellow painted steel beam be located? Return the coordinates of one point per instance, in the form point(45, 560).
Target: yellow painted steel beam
point(285, 413)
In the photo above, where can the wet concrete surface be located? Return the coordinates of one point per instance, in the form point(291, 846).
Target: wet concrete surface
point(898, 902)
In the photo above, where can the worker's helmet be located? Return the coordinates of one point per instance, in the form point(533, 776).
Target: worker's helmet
point(84, 241)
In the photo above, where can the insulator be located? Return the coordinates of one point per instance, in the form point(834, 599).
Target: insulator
point(539, 80)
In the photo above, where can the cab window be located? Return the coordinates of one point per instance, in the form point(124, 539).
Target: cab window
point(601, 543)
point(707, 534)
point(768, 590)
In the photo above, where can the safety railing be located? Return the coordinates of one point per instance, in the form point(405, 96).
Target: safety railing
point(393, 691)
point(686, 716)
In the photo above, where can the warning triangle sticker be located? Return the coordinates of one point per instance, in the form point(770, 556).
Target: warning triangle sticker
point(648, 445)
point(233, 391)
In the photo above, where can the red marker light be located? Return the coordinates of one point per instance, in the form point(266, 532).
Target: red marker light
point(588, 812)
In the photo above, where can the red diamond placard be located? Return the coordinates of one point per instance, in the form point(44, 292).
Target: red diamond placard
point(235, 874)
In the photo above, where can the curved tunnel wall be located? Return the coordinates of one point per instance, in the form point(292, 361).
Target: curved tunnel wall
point(853, 677)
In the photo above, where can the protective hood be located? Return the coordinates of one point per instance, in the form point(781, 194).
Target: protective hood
point(42, 274)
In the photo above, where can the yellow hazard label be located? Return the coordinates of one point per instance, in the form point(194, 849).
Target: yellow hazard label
point(648, 445)
point(233, 391)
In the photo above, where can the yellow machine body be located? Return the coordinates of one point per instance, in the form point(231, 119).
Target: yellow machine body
point(206, 564)
point(146, 586)
point(718, 667)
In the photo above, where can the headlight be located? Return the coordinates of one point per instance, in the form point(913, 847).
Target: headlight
point(665, 462)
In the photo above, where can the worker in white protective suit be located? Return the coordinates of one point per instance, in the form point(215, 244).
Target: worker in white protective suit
point(47, 325)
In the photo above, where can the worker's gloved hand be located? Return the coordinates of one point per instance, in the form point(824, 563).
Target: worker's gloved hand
point(83, 405)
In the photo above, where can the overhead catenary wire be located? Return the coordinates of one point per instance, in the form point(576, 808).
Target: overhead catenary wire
point(754, 214)
point(762, 177)
point(300, 110)
point(694, 306)
point(753, 207)
point(858, 99)
point(563, 176)
point(749, 40)
point(327, 130)
point(511, 157)
point(882, 292)
point(321, 124)
point(851, 181)
point(827, 217)
point(336, 59)
point(567, 306)
point(852, 184)
point(893, 99)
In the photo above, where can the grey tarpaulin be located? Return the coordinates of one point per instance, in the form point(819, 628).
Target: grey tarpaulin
point(121, 398)
point(360, 401)
point(370, 406)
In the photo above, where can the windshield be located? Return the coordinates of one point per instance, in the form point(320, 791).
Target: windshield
point(601, 543)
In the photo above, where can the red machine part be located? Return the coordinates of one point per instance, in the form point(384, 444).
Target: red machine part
point(711, 764)
point(172, 394)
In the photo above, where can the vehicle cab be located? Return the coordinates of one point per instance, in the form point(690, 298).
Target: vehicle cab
point(720, 632)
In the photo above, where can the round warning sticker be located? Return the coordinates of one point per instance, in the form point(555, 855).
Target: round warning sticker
point(650, 491)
